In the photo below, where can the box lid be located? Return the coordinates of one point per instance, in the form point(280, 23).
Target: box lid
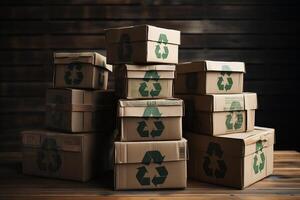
point(54, 140)
point(222, 102)
point(147, 152)
point(150, 108)
point(237, 144)
point(208, 65)
point(79, 100)
point(82, 57)
point(148, 72)
point(142, 33)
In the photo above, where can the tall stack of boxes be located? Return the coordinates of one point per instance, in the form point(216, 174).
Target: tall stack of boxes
point(79, 111)
point(224, 145)
point(151, 152)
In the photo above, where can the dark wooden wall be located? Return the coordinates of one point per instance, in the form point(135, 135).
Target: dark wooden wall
point(263, 33)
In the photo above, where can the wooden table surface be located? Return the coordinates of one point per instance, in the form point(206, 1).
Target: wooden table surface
point(283, 184)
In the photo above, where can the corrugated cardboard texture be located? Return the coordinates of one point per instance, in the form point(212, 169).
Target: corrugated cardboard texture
point(148, 81)
point(58, 155)
point(236, 160)
point(145, 129)
point(209, 77)
point(150, 165)
point(144, 120)
point(141, 33)
point(142, 44)
point(81, 70)
point(220, 113)
point(151, 108)
point(75, 110)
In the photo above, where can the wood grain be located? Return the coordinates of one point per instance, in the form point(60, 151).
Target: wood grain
point(262, 33)
point(283, 184)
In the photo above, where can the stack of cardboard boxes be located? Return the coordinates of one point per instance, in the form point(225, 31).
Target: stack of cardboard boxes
point(151, 153)
point(81, 116)
point(224, 146)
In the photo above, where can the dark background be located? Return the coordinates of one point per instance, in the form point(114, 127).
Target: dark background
point(263, 33)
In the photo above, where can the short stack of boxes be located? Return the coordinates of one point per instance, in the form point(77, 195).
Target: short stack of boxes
point(81, 116)
point(151, 153)
point(224, 146)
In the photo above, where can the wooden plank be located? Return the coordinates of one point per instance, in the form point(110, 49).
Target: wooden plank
point(24, 89)
point(190, 26)
point(189, 41)
point(254, 56)
point(22, 105)
point(25, 74)
point(19, 120)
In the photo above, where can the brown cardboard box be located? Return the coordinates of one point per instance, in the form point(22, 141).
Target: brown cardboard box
point(142, 120)
point(217, 114)
point(58, 155)
point(150, 165)
point(209, 77)
point(81, 70)
point(142, 44)
point(237, 160)
point(74, 110)
point(144, 81)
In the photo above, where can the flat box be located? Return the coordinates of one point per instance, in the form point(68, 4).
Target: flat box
point(144, 120)
point(150, 165)
point(74, 110)
point(236, 160)
point(144, 81)
point(142, 44)
point(217, 114)
point(209, 77)
point(81, 70)
point(58, 155)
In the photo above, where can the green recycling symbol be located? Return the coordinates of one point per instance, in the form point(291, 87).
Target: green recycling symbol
point(158, 51)
point(74, 75)
point(238, 116)
point(221, 86)
point(143, 132)
point(157, 158)
point(214, 149)
point(48, 158)
point(150, 75)
point(151, 111)
point(56, 118)
point(238, 122)
point(258, 165)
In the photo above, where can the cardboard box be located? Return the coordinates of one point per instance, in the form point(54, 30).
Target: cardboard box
point(236, 160)
point(217, 114)
point(209, 77)
point(150, 165)
point(141, 120)
point(74, 110)
point(142, 44)
point(81, 70)
point(144, 81)
point(58, 155)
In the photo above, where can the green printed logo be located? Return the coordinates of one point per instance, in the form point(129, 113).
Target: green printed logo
point(151, 111)
point(226, 70)
point(214, 155)
point(74, 75)
point(259, 158)
point(143, 89)
point(143, 132)
point(157, 158)
point(125, 48)
point(162, 53)
point(234, 120)
point(48, 158)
